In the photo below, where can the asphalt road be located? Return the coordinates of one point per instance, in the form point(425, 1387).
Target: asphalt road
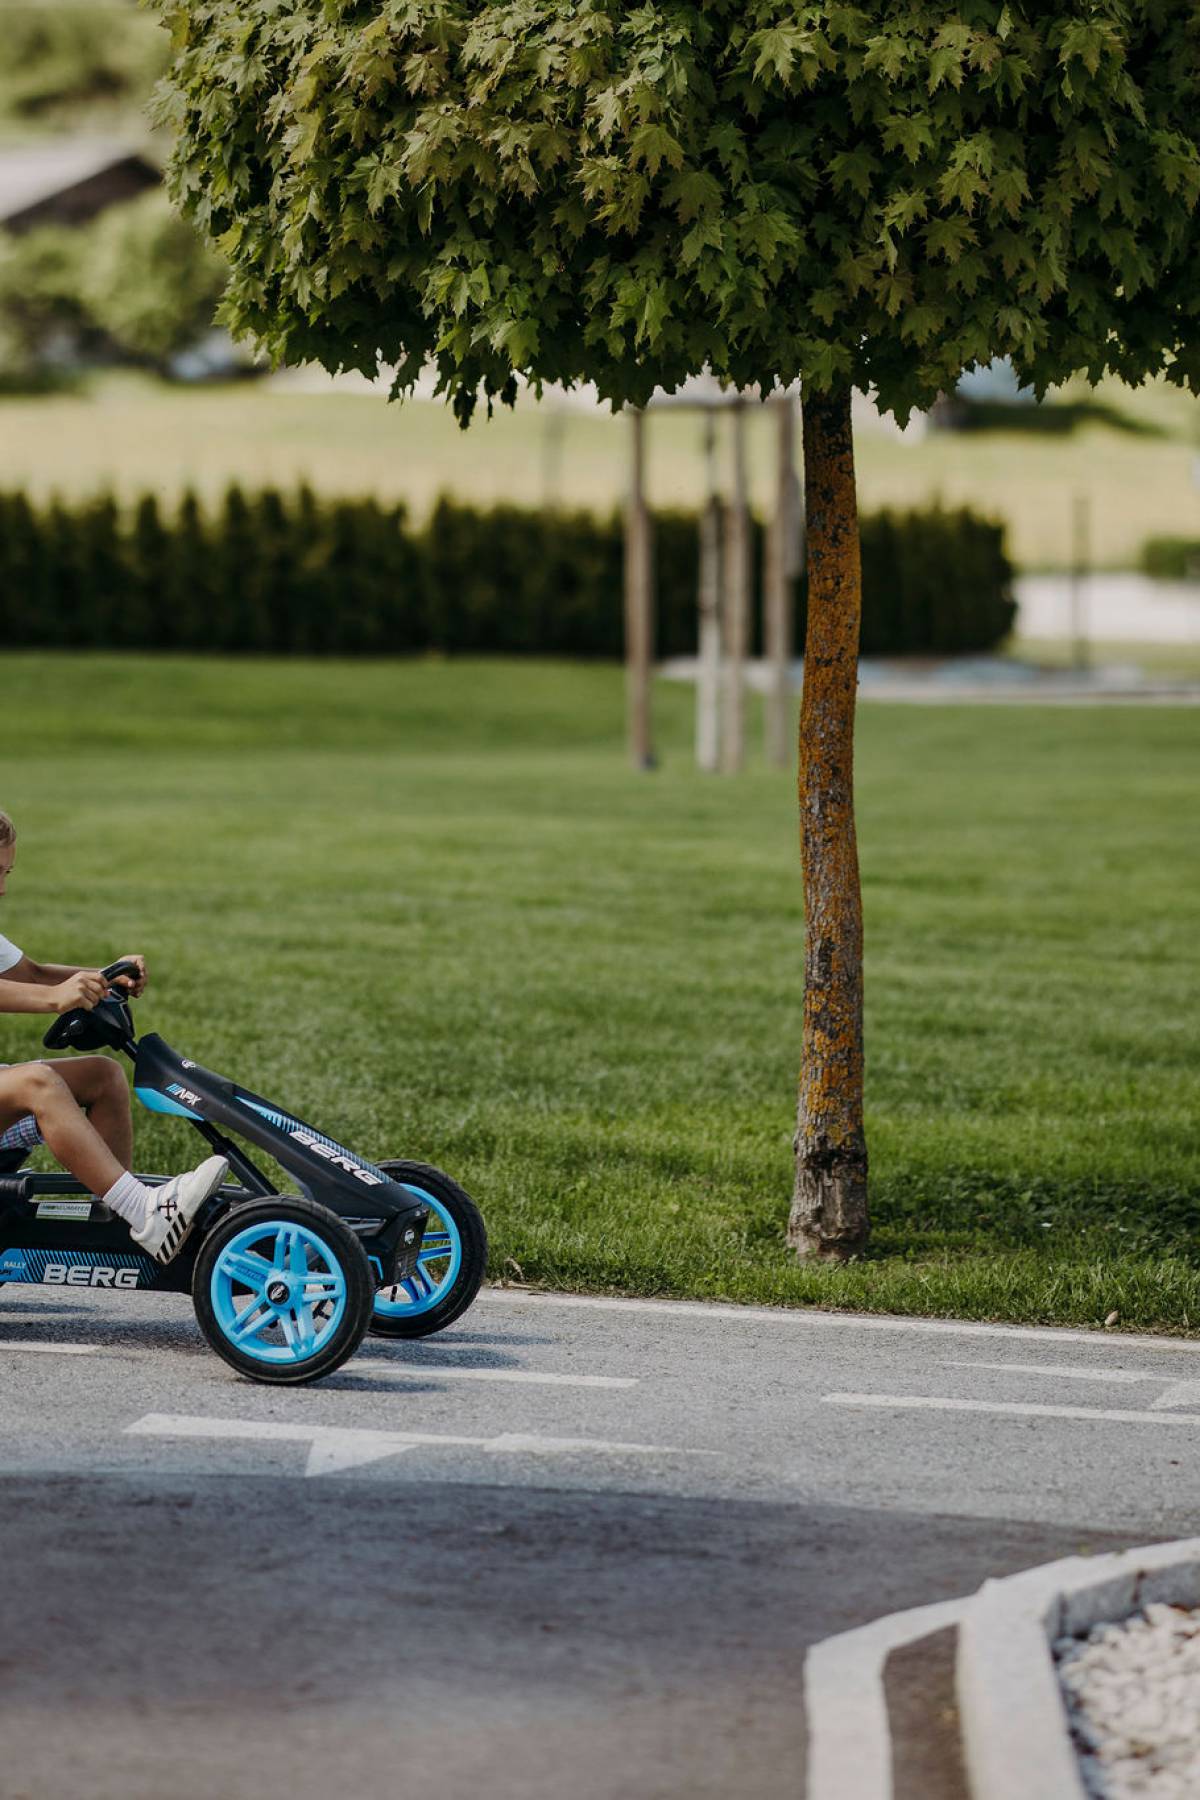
point(566, 1547)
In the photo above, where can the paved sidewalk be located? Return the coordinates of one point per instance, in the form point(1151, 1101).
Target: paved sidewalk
point(1122, 607)
point(999, 680)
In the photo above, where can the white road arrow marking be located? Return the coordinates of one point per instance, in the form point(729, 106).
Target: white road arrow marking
point(1016, 1409)
point(334, 1447)
point(1060, 1371)
point(330, 1446)
point(1180, 1393)
point(339, 1450)
point(1177, 1393)
point(526, 1441)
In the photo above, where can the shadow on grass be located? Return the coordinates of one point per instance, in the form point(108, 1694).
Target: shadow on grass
point(967, 1245)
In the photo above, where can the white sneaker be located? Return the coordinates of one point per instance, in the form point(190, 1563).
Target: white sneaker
point(176, 1204)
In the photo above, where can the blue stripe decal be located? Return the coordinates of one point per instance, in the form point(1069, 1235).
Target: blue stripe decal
point(155, 1102)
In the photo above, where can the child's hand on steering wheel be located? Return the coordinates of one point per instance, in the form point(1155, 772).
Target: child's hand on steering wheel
point(133, 990)
point(83, 989)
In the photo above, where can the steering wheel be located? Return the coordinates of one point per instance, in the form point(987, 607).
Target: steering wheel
point(115, 971)
point(83, 1028)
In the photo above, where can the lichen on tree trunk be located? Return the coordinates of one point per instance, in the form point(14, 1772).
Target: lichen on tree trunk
point(829, 1203)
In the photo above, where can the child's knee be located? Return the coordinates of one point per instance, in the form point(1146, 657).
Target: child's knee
point(37, 1085)
point(108, 1081)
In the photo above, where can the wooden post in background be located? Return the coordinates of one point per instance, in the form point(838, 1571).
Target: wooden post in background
point(708, 601)
point(780, 568)
point(639, 603)
point(1081, 569)
point(554, 431)
point(737, 602)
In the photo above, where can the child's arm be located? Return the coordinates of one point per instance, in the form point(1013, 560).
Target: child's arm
point(52, 974)
point(37, 974)
point(45, 974)
point(30, 987)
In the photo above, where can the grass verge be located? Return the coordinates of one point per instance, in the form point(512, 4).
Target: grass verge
point(426, 905)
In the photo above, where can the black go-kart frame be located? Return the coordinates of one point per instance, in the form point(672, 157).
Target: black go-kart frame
point(285, 1286)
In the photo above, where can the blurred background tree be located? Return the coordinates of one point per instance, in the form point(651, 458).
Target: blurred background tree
point(41, 302)
point(148, 281)
point(78, 67)
point(92, 270)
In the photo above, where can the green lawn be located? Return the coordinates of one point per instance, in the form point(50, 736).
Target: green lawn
point(426, 905)
point(132, 434)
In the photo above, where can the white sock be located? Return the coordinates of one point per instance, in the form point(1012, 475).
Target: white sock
point(130, 1199)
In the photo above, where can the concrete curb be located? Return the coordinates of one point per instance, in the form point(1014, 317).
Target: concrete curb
point(1015, 1736)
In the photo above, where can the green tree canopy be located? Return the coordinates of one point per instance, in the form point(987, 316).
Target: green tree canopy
point(584, 189)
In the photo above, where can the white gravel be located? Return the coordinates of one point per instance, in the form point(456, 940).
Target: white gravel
point(1133, 1697)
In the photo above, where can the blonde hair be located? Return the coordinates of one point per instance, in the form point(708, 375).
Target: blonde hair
point(8, 831)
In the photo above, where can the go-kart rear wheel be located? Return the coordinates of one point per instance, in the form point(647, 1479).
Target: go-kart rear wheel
point(283, 1290)
point(451, 1264)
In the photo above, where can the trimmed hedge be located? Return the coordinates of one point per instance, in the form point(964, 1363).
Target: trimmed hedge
point(298, 574)
point(1171, 558)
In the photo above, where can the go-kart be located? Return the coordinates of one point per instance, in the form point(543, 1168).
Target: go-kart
point(285, 1286)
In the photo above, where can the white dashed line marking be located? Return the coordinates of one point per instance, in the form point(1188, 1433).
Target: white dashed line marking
point(437, 1372)
point(50, 1349)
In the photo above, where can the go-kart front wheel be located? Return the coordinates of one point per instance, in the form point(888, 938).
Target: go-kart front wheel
point(451, 1264)
point(283, 1290)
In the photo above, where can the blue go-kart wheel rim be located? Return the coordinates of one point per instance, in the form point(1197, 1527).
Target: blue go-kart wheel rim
point(284, 1305)
point(437, 1269)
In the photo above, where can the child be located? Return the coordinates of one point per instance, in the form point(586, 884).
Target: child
point(41, 1102)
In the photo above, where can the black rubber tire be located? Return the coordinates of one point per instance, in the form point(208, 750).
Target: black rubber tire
point(469, 1222)
point(359, 1277)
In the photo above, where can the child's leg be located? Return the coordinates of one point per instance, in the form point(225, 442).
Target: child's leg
point(100, 1087)
point(159, 1218)
point(38, 1089)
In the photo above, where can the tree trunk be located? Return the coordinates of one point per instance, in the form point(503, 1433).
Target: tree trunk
point(708, 669)
point(829, 1203)
point(736, 603)
point(639, 604)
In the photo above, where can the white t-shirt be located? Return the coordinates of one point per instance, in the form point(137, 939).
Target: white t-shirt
point(10, 956)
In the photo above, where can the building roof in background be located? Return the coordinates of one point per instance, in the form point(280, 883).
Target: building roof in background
point(69, 180)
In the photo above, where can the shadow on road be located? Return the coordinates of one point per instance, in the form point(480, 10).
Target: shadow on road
point(270, 1636)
